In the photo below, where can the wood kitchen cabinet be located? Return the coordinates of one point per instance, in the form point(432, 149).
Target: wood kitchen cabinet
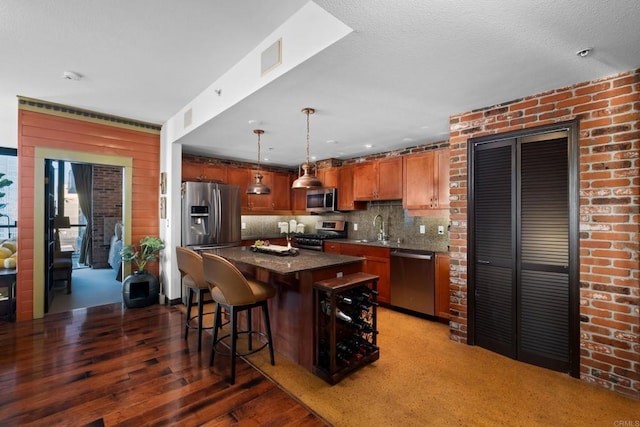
point(442, 286)
point(279, 183)
point(378, 180)
point(203, 172)
point(298, 197)
point(346, 201)
point(377, 262)
point(328, 177)
point(240, 177)
point(280, 191)
point(278, 199)
point(426, 180)
point(261, 202)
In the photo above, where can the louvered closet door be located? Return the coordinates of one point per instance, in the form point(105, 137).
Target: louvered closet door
point(495, 302)
point(543, 289)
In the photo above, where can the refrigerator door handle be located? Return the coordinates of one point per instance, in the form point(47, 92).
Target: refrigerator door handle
point(217, 200)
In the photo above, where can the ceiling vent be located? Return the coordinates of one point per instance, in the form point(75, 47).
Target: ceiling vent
point(271, 57)
point(188, 118)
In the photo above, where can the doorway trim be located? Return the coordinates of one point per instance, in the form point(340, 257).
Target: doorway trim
point(42, 153)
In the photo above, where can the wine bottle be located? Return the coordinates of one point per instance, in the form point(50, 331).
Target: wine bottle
point(367, 292)
point(359, 302)
point(364, 346)
point(355, 323)
point(347, 348)
point(340, 315)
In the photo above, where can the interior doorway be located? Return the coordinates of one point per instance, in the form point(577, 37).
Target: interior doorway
point(40, 237)
point(83, 225)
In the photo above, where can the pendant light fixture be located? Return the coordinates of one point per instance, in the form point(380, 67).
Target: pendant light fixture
point(308, 180)
point(258, 187)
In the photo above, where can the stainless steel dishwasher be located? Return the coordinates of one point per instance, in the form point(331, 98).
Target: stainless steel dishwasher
point(413, 280)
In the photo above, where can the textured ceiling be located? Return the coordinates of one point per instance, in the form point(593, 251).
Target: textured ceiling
point(391, 83)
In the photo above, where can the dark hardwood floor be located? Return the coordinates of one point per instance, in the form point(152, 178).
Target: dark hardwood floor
point(111, 366)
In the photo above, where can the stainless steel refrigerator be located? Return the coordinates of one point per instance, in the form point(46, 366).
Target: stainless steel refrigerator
point(210, 215)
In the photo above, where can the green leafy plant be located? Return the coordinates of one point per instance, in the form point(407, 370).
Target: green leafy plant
point(4, 182)
point(146, 251)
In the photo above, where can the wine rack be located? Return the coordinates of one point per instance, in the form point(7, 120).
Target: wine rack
point(345, 325)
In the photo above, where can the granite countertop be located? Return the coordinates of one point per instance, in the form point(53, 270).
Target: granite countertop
point(287, 264)
point(267, 236)
point(392, 244)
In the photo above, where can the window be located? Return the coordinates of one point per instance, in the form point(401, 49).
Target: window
point(9, 213)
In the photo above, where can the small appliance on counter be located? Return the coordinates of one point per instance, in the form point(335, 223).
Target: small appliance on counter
point(335, 229)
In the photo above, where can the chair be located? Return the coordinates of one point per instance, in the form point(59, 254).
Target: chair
point(191, 272)
point(232, 290)
point(62, 264)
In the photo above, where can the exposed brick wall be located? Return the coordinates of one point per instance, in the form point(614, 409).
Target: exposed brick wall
point(107, 203)
point(609, 113)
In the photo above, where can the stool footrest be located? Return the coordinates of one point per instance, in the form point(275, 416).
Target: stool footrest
point(220, 340)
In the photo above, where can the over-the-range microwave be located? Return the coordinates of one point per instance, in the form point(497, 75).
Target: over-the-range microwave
point(323, 200)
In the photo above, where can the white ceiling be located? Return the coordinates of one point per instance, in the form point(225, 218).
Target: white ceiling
point(391, 83)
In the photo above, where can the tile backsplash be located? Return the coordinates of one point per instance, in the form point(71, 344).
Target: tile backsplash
point(397, 225)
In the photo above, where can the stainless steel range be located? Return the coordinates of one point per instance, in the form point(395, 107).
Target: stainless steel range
point(324, 230)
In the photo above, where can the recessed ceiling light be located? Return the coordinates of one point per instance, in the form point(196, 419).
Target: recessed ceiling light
point(424, 127)
point(368, 146)
point(254, 122)
point(331, 141)
point(407, 139)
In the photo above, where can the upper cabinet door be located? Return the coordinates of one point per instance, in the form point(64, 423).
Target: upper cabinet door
point(378, 180)
point(346, 200)
point(390, 179)
point(241, 178)
point(365, 181)
point(203, 172)
point(426, 180)
point(281, 191)
point(328, 177)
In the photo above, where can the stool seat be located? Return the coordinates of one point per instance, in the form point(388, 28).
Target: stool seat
point(261, 291)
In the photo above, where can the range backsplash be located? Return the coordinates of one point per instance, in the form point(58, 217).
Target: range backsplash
point(397, 224)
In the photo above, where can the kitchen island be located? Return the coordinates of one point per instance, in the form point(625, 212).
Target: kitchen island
point(291, 310)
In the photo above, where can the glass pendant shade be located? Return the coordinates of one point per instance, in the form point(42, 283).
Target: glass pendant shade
point(308, 180)
point(258, 187)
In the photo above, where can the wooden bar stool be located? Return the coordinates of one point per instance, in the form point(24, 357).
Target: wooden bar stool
point(232, 290)
point(192, 276)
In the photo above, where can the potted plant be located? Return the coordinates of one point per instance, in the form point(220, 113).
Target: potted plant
point(141, 288)
point(147, 250)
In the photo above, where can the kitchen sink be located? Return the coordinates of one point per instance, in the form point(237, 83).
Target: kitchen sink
point(377, 242)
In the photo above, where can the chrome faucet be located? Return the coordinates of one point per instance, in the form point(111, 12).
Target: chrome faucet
point(381, 235)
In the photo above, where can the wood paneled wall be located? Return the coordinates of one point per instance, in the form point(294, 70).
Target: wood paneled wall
point(56, 131)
